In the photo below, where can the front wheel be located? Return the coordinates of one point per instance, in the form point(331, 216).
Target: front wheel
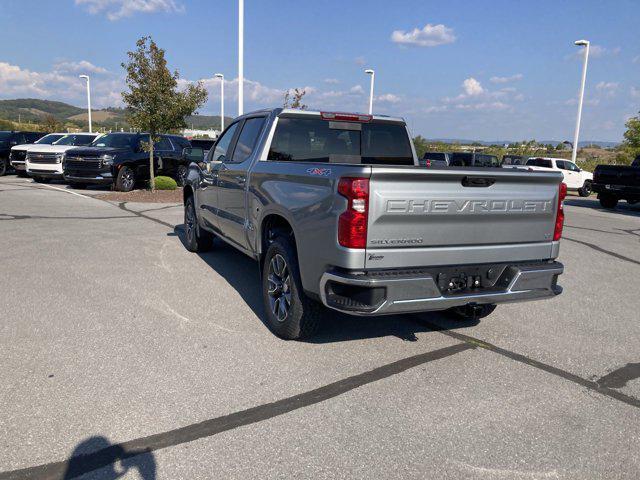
point(608, 201)
point(290, 313)
point(585, 191)
point(126, 179)
point(197, 239)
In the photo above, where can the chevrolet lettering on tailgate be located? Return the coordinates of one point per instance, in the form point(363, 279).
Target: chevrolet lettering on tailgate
point(468, 206)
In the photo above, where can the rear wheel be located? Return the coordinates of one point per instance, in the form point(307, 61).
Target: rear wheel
point(585, 191)
point(290, 313)
point(126, 179)
point(472, 312)
point(608, 201)
point(197, 239)
point(181, 175)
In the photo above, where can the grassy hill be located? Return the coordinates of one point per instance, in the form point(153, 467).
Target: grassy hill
point(35, 111)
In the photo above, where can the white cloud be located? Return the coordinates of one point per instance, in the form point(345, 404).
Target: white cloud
point(428, 36)
point(388, 98)
point(596, 51)
point(82, 66)
point(357, 89)
point(485, 106)
point(512, 78)
point(608, 88)
point(331, 81)
point(117, 9)
point(472, 87)
point(593, 102)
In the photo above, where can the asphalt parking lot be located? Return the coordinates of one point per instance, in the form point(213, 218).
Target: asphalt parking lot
point(125, 356)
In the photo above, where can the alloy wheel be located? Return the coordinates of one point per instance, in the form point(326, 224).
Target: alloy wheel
point(279, 287)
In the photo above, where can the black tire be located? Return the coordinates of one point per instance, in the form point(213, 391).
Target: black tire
point(608, 201)
point(126, 180)
point(3, 166)
point(290, 313)
point(181, 175)
point(472, 312)
point(196, 238)
point(585, 191)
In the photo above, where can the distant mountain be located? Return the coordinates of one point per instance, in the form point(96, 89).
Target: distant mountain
point(35, 110)
point(464, 141)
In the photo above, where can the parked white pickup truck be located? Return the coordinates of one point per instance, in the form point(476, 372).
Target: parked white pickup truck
point(44, 162)
point(576, 179)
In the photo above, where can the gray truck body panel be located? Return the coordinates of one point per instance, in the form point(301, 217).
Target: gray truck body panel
point(418, 219)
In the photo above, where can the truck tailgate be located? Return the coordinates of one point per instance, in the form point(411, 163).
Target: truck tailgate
point(421, 217)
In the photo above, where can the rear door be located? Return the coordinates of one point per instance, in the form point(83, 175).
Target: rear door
point(437, 217)
point(232, 182)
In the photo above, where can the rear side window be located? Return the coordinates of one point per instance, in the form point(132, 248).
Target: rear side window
point(247, 139)
point(540, 162)
point(318, 140)
point(461, 160)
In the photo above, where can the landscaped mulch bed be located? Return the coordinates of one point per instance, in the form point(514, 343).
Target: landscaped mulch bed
point(144, 196)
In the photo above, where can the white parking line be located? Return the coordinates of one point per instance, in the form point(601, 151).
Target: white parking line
point(67, 191)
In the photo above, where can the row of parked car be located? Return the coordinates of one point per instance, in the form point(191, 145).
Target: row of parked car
point(577, 179)
point(117, 159)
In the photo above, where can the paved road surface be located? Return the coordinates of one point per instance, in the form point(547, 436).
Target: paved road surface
point(152, 362)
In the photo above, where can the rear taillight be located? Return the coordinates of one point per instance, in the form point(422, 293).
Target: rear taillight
point(352, 224)
point(562, 193)
point(428, 163)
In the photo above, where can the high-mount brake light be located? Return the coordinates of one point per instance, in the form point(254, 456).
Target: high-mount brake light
point(352, 224)
point(562, 194)
point(346, 117)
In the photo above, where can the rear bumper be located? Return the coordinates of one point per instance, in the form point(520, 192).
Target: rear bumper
point(420, 290)
point(621, 191)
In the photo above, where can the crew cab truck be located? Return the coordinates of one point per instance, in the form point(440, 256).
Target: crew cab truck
point(120, 160)
point(43, 162)
point(577, 180)
point(338, 213)
point(11, 139)
point(613, 183)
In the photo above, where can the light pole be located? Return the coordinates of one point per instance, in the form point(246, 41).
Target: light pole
point(373, 76)
point(86, 77)
point(580, 43)
point(240, 57)
point(221, 77)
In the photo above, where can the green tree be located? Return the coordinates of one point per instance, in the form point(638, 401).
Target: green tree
point(421, 145)
point(631, 141)
point(295, 100)
point(154, 104)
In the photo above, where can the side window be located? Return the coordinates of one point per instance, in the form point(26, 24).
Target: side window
point(223, 144)
point(163, 144)
point(562, 165)
point(247, 139)
point(572, 166)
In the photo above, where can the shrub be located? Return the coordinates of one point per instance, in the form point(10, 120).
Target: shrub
point(165, 183)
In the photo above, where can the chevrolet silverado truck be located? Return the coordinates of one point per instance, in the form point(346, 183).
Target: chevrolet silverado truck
point(44, 162)
point(339, 214)
point(613, 183)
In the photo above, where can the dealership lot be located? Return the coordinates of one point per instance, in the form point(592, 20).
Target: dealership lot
point(117, 343)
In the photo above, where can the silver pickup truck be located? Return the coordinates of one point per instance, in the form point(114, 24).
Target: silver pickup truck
point(338, 212)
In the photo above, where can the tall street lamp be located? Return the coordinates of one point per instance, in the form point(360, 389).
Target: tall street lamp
point(373, 76)
point(580, 43)
point(240, 57)
point(221, 77)
point(86, 77)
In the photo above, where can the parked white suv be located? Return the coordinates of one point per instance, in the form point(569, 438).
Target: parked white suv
point(576, 179)
point(44, 162)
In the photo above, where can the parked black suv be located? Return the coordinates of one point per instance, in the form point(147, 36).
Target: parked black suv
point(119, 159)
point(10, 139)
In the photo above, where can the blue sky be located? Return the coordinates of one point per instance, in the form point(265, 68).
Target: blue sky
point(476, 69)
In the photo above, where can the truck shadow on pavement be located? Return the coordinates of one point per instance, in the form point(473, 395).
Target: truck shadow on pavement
point(623, 207)
point(242, 274)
